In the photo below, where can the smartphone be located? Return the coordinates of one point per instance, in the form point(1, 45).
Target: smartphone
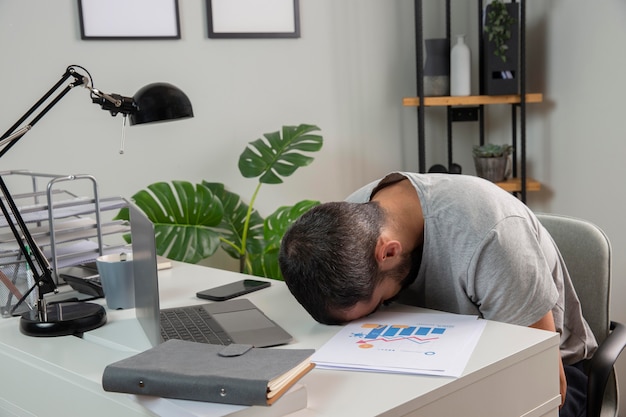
point(232, 290)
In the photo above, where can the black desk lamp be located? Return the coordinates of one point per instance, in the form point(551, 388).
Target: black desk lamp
point(153, 103)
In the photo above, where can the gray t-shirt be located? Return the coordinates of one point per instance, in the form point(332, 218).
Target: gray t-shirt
point(486, 253)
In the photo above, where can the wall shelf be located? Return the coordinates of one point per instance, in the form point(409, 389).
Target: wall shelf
point(459, 107)
point(514, 185)
point(471, 100)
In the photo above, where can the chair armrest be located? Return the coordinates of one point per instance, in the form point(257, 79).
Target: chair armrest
point(601, 366)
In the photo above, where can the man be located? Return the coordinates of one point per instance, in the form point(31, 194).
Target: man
point(448, 242)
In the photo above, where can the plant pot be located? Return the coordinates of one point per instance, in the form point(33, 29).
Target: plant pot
point(493, 169)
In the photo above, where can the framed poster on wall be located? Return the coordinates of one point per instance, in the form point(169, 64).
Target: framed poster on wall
point(129, 19)
point(253, 18)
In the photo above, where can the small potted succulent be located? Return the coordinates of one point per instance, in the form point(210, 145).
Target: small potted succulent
point(491, 161)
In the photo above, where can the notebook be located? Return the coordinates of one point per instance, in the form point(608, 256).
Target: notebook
point(235, 321)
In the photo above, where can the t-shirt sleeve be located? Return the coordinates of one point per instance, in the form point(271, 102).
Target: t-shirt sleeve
point(509, 278)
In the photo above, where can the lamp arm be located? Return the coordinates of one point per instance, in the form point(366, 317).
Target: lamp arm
point(37, 262)
point(35, 106)
point(159, 102)
point(12, 136)
point(35, 259)
point(15, 135)
point(114, 103)
point(176, 101)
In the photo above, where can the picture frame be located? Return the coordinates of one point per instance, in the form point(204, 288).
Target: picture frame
point(253, 18)
point(128, 19)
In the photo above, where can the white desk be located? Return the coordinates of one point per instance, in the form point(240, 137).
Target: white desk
point(513, 371)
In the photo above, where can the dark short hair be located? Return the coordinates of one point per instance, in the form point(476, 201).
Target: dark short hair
point(327, 257)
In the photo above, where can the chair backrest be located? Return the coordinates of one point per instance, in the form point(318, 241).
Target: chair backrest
point(587, 254)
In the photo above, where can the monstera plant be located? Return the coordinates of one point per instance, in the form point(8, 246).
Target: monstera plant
point(192, 221)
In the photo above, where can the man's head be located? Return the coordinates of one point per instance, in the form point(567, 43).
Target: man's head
point(328, 260)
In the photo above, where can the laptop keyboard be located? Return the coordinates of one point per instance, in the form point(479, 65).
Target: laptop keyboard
point(194, 324)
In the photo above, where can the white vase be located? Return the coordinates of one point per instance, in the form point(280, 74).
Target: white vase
point(460, 68)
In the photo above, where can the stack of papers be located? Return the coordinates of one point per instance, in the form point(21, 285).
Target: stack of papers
point(411, 343)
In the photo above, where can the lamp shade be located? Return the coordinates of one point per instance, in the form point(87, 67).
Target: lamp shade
point(160, 102)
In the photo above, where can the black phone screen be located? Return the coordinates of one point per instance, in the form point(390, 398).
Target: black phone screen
point(234, 289)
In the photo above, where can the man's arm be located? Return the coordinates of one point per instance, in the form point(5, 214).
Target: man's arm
point(547, 323)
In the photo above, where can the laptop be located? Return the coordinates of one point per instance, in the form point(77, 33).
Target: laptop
point(231, 321)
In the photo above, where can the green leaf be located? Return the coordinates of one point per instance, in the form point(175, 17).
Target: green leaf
point(232, 223)
point(183, 217)
point(278, 222)
point(279, 156)
point(193, 221)
point(490, 150)
point(498, 27)
point(265, 264)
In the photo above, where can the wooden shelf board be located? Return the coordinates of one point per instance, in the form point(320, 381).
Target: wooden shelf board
point(472, 100)
point(515, 185)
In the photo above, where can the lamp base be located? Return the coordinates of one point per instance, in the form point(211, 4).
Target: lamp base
point(67, 318)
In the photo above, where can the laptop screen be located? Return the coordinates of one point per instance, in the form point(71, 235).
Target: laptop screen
point(145, 274)
point(240, 319)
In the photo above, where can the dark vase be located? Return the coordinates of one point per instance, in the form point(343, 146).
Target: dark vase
point(437, 67)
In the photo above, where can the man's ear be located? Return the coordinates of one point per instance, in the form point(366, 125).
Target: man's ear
point(387, 252)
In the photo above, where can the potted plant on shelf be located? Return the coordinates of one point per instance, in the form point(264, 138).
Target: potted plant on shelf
point(501, 46)
point(491, 161)
point(193, 221)
point(498, 25)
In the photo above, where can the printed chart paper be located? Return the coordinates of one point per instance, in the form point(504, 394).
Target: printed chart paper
point(412, 343)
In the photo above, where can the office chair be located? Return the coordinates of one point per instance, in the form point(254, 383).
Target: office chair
point(587, 254)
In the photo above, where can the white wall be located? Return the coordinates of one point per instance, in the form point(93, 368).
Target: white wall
point(579, 147)
point(347, 74)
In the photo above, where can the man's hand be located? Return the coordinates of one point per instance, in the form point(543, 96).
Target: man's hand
point(547, 323)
